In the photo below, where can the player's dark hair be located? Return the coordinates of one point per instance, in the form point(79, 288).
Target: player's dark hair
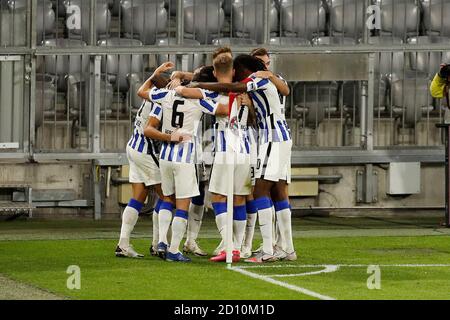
point(160, 81)
point(245, 64)
point(205, 74)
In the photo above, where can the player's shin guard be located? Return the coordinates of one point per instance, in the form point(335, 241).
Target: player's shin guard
point(178, 229)
point(252, 212)
point(265, 208)
point(155, 223)
point(196, 210)
point(239, 223)
point(164, 219)
point(129, 218)
point(274, 224)
point(278, 238)
point(220, 209)
point(283, 210)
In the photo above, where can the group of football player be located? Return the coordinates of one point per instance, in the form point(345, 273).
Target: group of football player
point(251, 143)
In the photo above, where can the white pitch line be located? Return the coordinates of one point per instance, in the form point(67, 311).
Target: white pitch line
point(282, 284)
point(327, 269)
point(347, 266)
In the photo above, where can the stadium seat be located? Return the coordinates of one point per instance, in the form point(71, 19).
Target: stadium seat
point(314, 100)
point(171, 6)
point(406, 90)
point(302, 19)
point(227, 7)
point(428, 62)
point(145, 20)
point(59, 7)
point(69, 75)
point(203, 19)
point(385, 65)
point(347, 18)
point(45, 21)
point(45, 98)
point(436, 17)
point(114, 7)
point(193, 60)
point(13, 23)
point(63, 65)
point(399, 18)
point(247, 21)
point(77, 14)
point(410, 96)
point(124, 72)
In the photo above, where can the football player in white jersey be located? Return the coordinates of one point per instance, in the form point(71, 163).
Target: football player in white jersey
point(274, 154)
point(142, 154)
point(223, 70)
point(180, 118)
point(283, 92)
point(197, 206)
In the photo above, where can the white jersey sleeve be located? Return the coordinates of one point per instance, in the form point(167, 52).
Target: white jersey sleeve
point(160, 96)
point(257, 84)
point(207, 94)
point(208, 106)
point(156, 112)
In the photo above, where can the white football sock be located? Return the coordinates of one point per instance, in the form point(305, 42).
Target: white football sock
point(220, 209)
point(194, 221)
point(179, 225)
point(129, 218)
point(164, 220)
point(285, 224)
point(239, 233)
point(155, 225)
point(252, 214)
point(265, 223)
point(278, 237)
point(239, 223)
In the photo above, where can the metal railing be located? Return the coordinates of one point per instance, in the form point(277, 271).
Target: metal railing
point(80, 107)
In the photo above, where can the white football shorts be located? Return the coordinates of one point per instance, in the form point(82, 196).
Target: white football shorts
point(179, 178)
point(274, 161)
point(143, 168)
point(242, 177)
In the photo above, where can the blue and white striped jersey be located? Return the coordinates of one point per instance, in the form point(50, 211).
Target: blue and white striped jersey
point(138, 141)
point(183, 114)
point(239, 118)
point(270, 108)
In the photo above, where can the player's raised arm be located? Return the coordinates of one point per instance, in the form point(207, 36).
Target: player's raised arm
point(189, 93)
point(281, 85)
point(182, 75)
point(221, 87)
point(154, 79)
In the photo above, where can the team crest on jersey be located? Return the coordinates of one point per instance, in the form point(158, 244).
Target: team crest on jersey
point(234, 124)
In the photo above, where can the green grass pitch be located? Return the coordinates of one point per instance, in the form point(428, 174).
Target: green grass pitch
point(413, 257)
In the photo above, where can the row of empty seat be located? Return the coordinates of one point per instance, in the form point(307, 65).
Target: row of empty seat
point(291, 22)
